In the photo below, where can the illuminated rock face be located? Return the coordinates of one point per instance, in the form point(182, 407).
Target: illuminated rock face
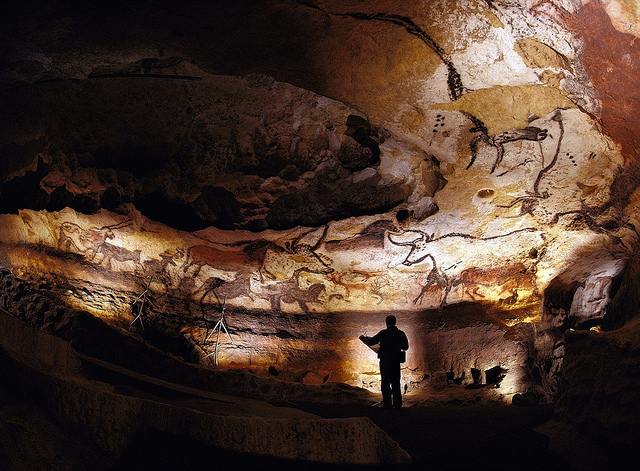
point(450, 162)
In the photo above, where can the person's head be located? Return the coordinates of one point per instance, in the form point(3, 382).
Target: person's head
point(391, 321)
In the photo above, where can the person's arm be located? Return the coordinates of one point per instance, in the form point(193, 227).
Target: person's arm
point(405, 342)
point(371, 340)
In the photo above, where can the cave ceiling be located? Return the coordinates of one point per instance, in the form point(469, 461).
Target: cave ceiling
point(321, 157)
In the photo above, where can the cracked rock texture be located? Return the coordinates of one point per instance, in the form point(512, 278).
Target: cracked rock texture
point(313, 166)
point(113, 418)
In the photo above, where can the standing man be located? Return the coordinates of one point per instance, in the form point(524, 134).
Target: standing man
point(393, 343)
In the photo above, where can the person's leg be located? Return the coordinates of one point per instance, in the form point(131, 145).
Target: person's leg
point(395, 386)
point(385, 385)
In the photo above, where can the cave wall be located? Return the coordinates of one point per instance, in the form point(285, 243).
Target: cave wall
point(313, 166)
point(598, 396)
point(57, 376)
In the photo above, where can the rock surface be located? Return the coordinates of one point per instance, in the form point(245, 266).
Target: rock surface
point(607, 391)
point(313, 166)
point(114, 418)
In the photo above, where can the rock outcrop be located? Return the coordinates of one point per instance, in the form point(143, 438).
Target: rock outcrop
point(52, 372)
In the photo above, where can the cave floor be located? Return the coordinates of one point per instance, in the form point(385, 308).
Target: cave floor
point(437, 435)
point(487, 435)
point(482, 436)
point(462, 436)
point(452, 436)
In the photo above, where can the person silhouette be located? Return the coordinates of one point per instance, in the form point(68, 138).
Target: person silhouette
point(393, 343)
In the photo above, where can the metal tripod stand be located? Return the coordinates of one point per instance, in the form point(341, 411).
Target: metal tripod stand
point(220, 325)
point(141, 299)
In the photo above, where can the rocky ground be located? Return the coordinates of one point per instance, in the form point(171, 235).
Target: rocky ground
point(453, 430)
point(440, 436)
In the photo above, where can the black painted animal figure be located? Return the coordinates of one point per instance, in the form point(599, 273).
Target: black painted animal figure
point(265, 256)
point(530, 133)
point(228, 290)
point(304, 296)
point(436, 280)
point(110, 253)
point(159, 268)
point(289, 292)
point(87, 242)
point(420, 249)
point(296, 256)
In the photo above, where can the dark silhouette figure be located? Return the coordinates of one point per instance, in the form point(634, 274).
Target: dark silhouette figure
point(393, 343)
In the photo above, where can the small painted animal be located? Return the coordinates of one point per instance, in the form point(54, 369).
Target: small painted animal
point(111, 253)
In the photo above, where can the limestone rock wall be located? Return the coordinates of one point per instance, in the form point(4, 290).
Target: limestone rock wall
point(313, 166)
point(601, 398)
point(113, 420)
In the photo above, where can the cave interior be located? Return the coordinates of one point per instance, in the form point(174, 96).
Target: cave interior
point(203, 205)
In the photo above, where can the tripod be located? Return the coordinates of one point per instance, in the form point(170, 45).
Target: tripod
point(218, 328)
point(141, 299)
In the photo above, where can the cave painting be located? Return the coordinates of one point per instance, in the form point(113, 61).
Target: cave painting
point(162, 271)
point(93, 243)
point(530, 133)
point(278, 292)
point(325, 268)
point(508, 278)
point(514, 193)
point(262, 269)
point(294, 257)
point(290, 292)
point(384, 288)
point(272, 260)
point(436, 283)
point(350, 281)
point(438, 261)
point(558, 157)
point(530, 201)
point(87, 242)
point(454, 81)
point(225, 258)
point(108, 253)
point(419, 246)
point(298, 273)
point(226, 290)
